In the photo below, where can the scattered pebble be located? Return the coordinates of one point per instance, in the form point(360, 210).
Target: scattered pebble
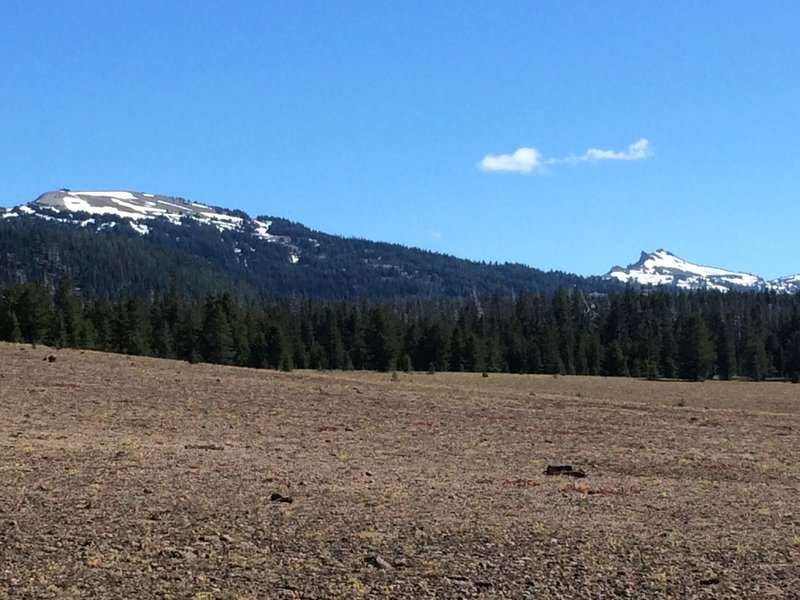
point(276, 497)
point(567, 470)
point(379, 563)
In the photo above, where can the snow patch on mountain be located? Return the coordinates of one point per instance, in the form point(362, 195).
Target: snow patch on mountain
point(662, 268)
point(140, 228)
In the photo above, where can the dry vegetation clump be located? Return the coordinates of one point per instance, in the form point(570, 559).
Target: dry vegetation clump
point(138, 478)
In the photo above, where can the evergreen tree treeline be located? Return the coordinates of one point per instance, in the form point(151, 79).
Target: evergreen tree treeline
point(634, 333)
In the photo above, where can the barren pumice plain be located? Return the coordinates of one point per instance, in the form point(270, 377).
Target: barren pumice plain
point(127, 477)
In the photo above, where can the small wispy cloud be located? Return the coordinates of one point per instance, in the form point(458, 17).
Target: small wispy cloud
point(436, 234)
point(638, 150)
point(526, 160)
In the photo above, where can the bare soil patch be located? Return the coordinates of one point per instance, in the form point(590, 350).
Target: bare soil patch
point(137, 478)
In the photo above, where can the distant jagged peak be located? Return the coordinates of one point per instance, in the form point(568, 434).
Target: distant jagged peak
point(664, 268)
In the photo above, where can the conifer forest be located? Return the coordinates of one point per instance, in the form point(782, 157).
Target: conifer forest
point(643, 333)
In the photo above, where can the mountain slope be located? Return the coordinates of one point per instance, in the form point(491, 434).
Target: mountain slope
point(666, 269)
point(116, 243)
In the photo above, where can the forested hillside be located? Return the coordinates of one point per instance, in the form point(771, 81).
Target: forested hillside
point(113, 260)
point(630, 333)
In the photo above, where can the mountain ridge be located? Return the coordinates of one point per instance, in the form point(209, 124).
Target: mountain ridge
point(232, 241)
point(267, 255)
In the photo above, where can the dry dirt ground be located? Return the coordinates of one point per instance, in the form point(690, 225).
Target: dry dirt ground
point(138, 478)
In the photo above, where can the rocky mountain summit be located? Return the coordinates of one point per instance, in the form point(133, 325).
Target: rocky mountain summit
point(663, 268)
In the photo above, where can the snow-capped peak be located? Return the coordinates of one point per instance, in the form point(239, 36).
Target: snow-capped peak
point(665, 268)
point(140, 212)
point(135, 207)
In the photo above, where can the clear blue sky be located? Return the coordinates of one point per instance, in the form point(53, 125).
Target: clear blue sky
point(372, 119)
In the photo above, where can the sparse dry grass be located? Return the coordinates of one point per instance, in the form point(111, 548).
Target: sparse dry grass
point(137, 478)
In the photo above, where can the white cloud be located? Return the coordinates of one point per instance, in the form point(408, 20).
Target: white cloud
point(524, 160)
point(636, 151)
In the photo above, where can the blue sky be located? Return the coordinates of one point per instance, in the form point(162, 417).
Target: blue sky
point(374, 118)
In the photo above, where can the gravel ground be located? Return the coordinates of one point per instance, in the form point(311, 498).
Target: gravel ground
point(138, 478)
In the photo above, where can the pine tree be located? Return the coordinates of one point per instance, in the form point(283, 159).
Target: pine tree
point(56, 331)
point(793, 356)
point(726, 352)
point(217, 336)
point(594, 354)
point(456, 350)
point(33, 308)
point(87, 336)
point(101, 316)
point(493, 360)
point(355, 339)
point(515, 351)
point(187, 332)
point(276, 351)
point(68, 314)
point(434, 347)
point(135, 328)
point(755, 357)
point(614, 363)
point(581, 357)
point(695, 350)
point(549, 346)
point(330, 338)
point(15, 333)
point(668, 353)
point(258, 349)
point(162, 341)
point(534, 358)
point(472, 357)
point(382, 340)
point(404, 363)
point(240, 345)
